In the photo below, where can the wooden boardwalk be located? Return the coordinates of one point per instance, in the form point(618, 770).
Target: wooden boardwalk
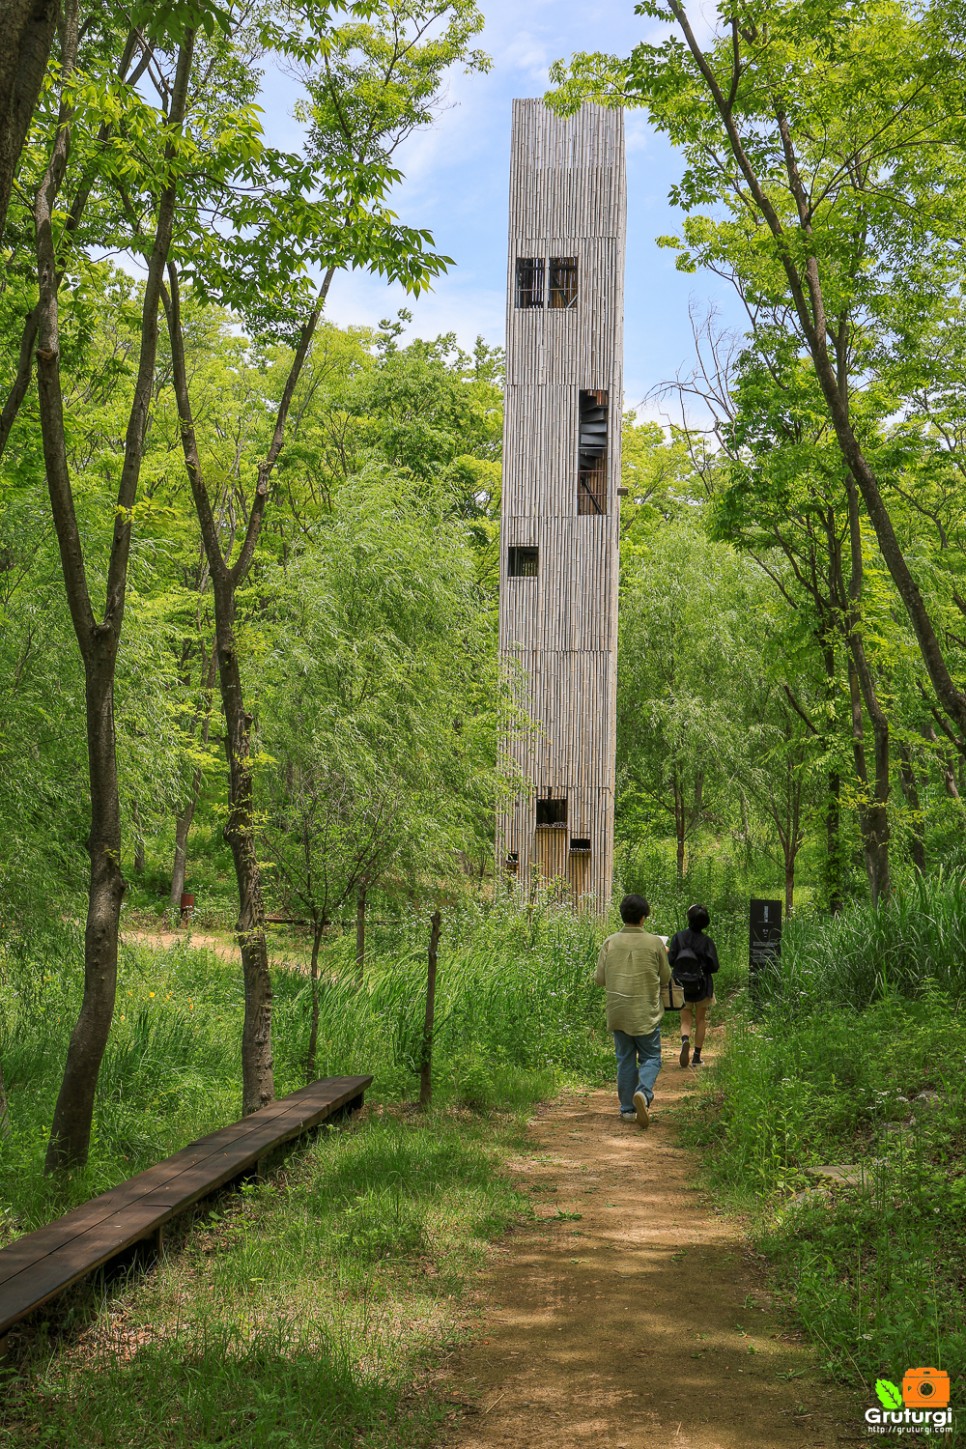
point(42, 1264)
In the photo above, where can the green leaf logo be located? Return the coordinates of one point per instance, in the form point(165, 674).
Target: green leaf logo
point(890, 1397)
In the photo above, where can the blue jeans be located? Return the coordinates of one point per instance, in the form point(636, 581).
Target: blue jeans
point(638, 1063)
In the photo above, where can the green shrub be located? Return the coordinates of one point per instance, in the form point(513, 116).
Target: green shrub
point(814, 1073)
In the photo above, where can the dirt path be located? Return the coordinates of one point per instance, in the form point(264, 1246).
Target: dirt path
point(642, 1323)
point(162, 940)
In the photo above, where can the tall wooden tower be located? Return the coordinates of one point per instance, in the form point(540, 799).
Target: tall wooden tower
point(561, 471)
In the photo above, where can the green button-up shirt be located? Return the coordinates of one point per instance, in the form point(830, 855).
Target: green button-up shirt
point(633, 966)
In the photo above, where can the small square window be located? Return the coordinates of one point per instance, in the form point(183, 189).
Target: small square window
point(531, 276)
point(579, 845)
point(523, 563)
point(552, 812)
point(563, 282)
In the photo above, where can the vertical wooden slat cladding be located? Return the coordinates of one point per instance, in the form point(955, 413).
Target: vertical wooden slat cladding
point(567, 200)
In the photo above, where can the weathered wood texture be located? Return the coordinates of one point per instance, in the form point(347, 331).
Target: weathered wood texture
point(42, 1264)
point(567, 199)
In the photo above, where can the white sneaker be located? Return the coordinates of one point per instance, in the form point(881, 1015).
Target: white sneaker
point(640, 1107)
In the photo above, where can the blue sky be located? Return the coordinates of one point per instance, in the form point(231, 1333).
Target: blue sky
point(457, 177)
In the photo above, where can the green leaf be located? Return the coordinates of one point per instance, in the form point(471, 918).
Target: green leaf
point(890, 1397)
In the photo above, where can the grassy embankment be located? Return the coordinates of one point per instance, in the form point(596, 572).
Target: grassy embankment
point(307, 1311)
point(855, 1055)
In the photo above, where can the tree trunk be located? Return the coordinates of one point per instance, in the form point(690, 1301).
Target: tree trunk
point(426, 1067)
point(182, 827)
point(833, 843)
point(789, 881)
point(29, 27)
point(138, 839)
point(4, 1109)
point(183, 821)
point(679, 829)
point(945, 766)
point(311, 1054)
point(833, 798)
point(70, 1131)
point(98, 641)
point(361, 932)
point(258, 1085)
point(910, 789)
point(874, 813)
point(21, 381)
point(798, 257)
point(871, 809)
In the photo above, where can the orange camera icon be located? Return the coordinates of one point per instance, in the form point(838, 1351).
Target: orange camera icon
point(925, 1388)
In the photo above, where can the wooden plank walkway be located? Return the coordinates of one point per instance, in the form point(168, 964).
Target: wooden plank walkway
point(42, 1264)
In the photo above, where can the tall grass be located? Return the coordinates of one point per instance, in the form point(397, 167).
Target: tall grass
point(916, 940)
point(853, 1054)
point(516, 1008)
point(309, 1315)
point(517, 1012)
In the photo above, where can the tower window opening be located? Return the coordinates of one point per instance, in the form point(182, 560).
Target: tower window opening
point(523, 563)
point(552, 812)
point(512, 862)
point(531, 276)
point(592, 452)
point(579, 845)
point(563, 282)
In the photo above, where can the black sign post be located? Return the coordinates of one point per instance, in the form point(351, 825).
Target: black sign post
point(765, 936)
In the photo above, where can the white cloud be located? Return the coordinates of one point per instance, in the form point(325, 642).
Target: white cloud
point(456, 184)
point(457, 304)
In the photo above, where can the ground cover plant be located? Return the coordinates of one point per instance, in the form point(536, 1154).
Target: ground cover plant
point(811, 1076)
point(306, 1310)
point(516, 1012)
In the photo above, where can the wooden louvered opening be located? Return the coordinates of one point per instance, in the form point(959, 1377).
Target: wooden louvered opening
point(592, 452)
point(530, 281)
point(562, 291)
point(523, 563)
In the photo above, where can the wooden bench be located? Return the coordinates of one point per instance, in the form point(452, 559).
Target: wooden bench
point(42, 1264)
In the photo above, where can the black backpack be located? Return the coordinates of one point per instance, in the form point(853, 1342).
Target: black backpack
point(688, 971)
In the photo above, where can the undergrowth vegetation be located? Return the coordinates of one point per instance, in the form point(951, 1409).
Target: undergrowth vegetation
point(516, 1013)
point(871, 1079)
point(306, 1311)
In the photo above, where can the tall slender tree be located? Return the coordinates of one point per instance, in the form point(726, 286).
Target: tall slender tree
point(98, 635)
point(828, 132)
point(379, 71)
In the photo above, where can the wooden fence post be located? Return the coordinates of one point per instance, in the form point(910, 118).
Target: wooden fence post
point(363, 891)
point(426, 1067)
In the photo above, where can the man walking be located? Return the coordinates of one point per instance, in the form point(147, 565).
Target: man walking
point(633, 966)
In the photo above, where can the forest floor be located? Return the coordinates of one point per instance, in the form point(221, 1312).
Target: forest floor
point(630, 1311)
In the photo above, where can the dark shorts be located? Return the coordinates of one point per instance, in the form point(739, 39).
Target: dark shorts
point(702, 1000)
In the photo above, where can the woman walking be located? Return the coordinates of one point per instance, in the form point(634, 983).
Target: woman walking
point(694, 960)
